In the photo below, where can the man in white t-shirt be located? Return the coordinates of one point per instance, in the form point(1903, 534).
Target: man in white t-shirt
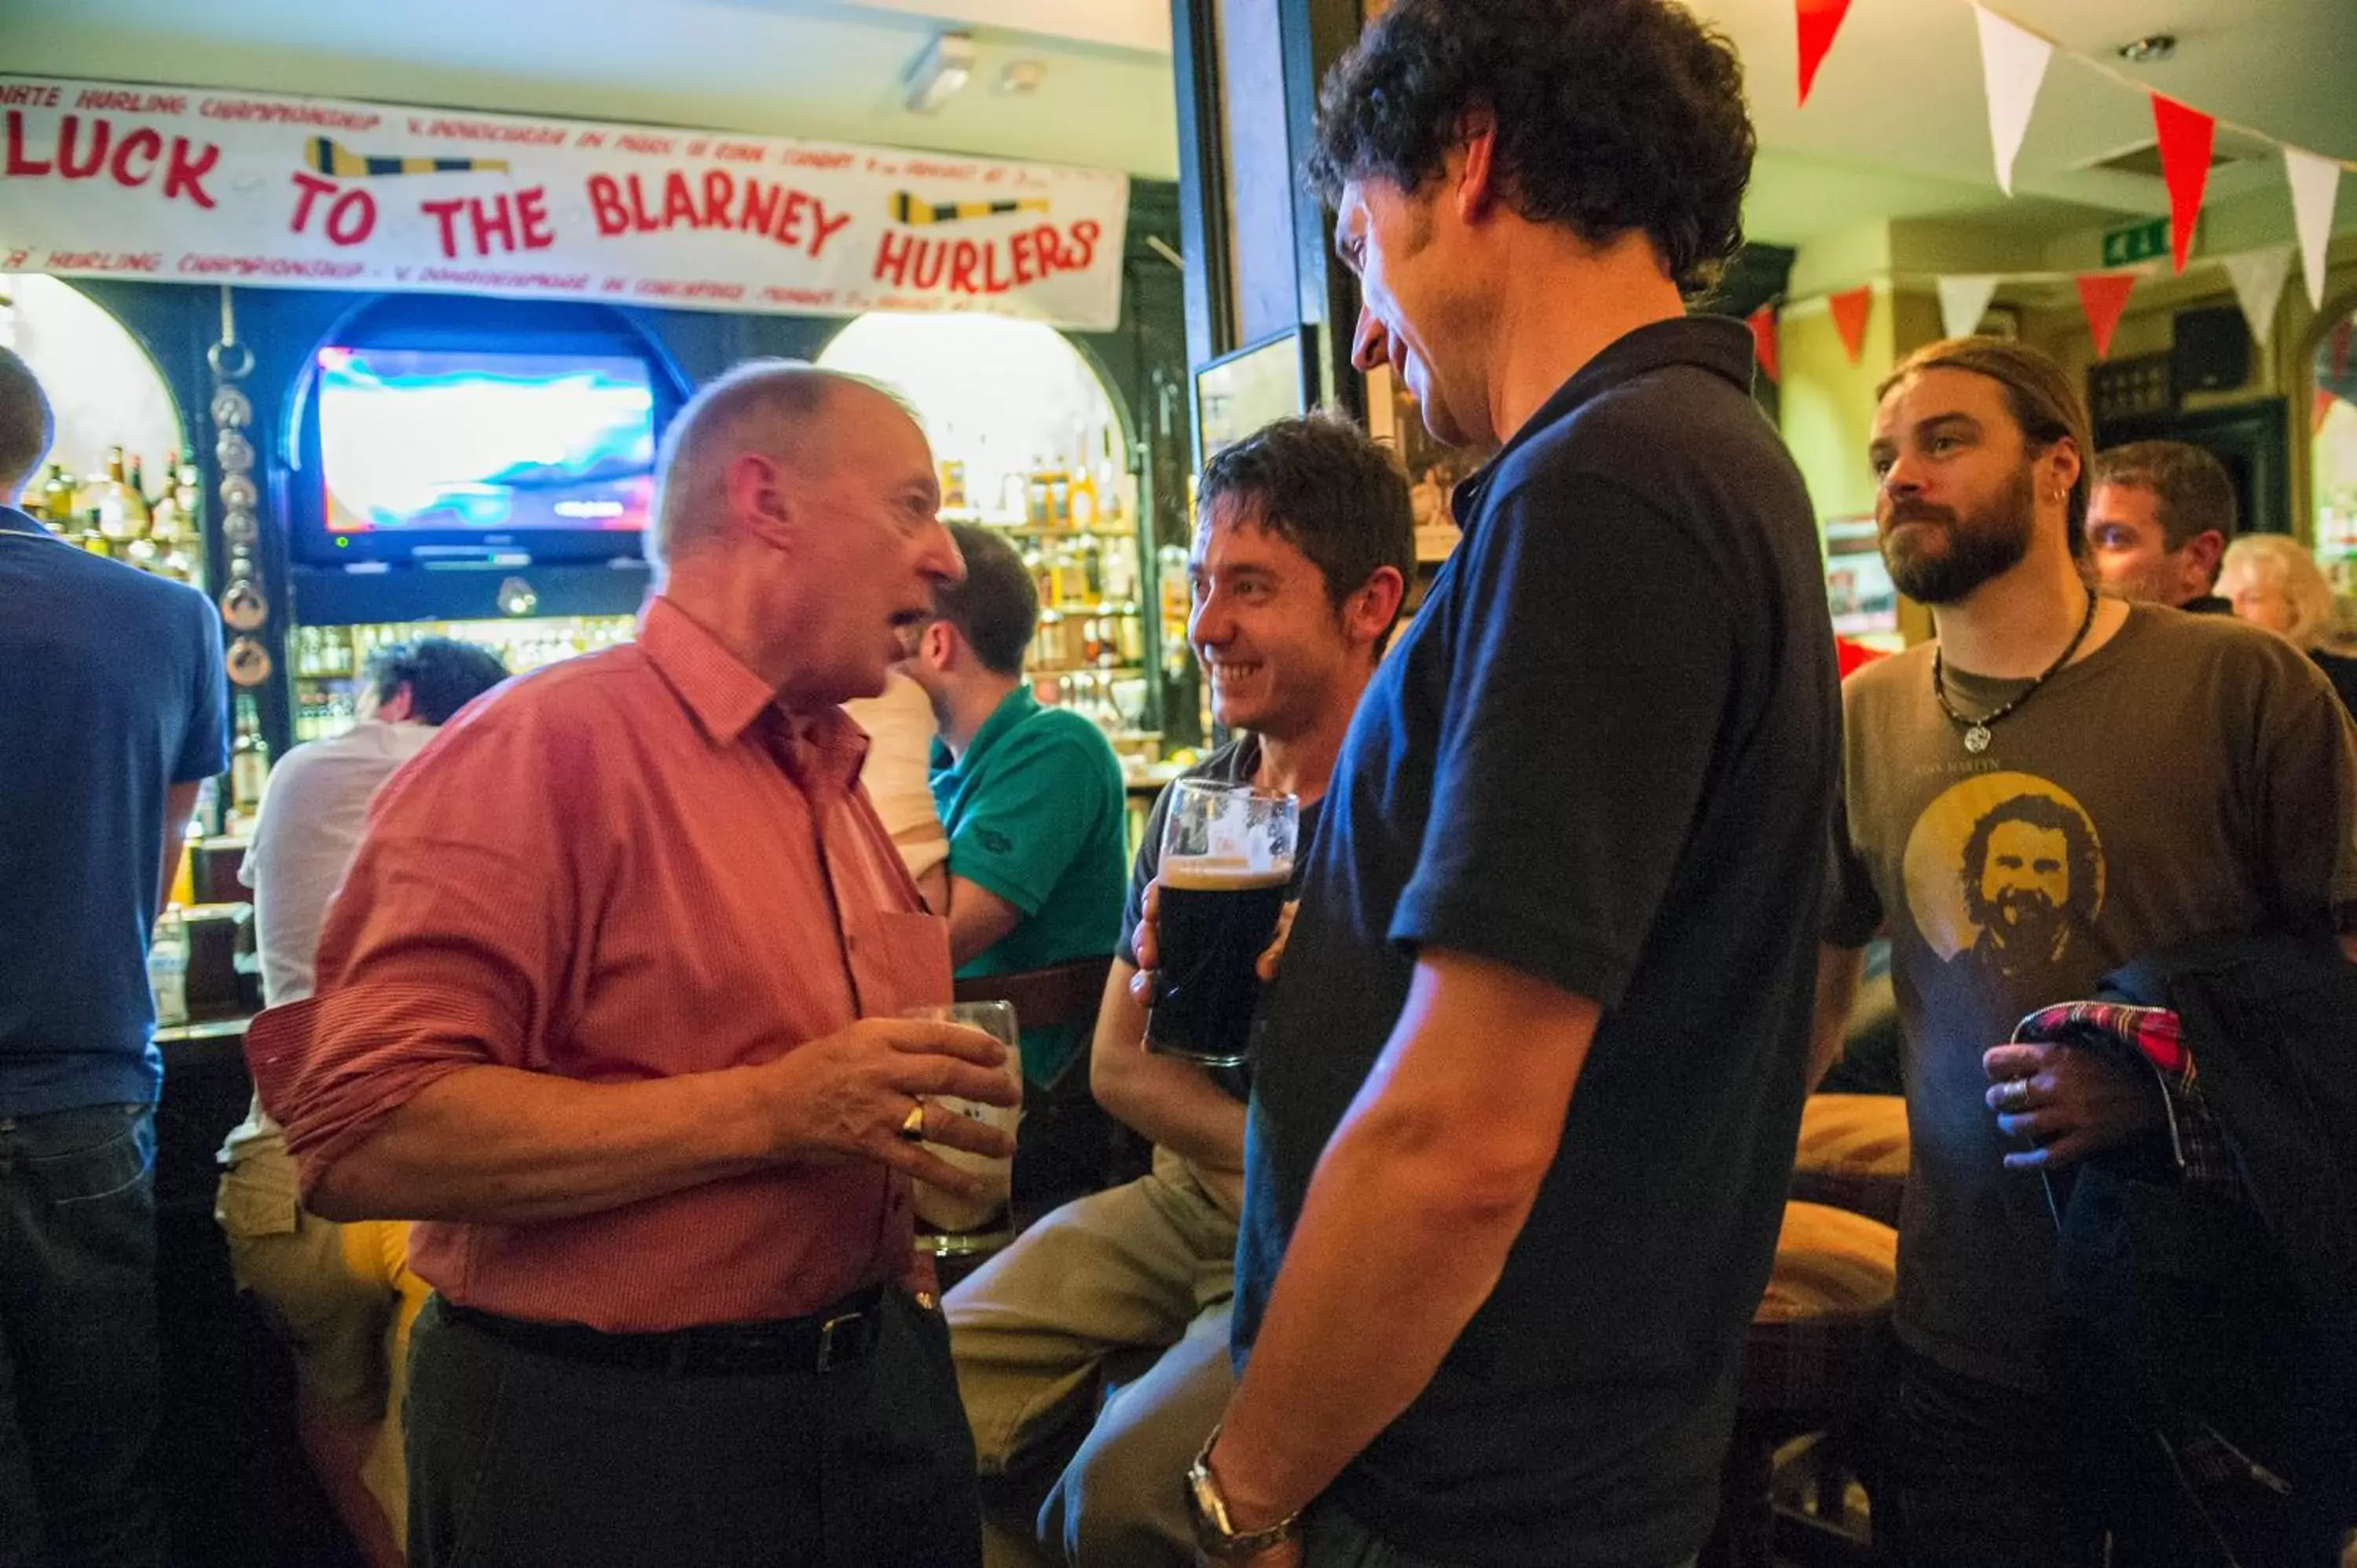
point(341, 1294)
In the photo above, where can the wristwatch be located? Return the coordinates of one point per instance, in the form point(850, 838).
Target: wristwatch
point(1214, 1535)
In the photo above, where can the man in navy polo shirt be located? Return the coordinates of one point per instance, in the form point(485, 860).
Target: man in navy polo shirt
point(113, 703)
point(1529, 1076)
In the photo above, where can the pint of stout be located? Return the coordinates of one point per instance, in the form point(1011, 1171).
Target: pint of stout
point(1227, 858)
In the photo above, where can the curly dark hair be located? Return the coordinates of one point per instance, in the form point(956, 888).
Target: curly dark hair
point(442, 673)
point(1611, 115)
point(2046, 815)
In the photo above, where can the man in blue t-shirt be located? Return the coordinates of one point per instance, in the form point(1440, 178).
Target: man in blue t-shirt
point(1303, 547)
point(114, 703)
point(1573, 842)
point(1032, 800)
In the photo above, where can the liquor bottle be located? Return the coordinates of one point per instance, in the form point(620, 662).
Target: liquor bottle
point(57, 499)
point(122, 510)
point(248, 761)
point(1087, 515)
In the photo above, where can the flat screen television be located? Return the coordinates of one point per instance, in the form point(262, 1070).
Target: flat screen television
point(428, 454)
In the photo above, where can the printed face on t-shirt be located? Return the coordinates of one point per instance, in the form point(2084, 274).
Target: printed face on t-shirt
point(2003, 870)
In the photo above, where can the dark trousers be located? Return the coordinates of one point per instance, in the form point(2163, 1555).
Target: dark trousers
point(1975, 1475)
point(519, 1459)
point(79, 1375)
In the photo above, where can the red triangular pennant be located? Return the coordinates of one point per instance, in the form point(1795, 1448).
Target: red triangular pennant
point(1763, 340)
point(2320, 411)
point(2102, 296)
point(1818, 20)
point(2185, 135)
point(1849, 315)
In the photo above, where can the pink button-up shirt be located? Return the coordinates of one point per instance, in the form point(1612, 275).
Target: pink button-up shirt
point(625, 866)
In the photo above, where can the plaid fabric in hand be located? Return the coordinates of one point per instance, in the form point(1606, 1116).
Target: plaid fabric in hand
point(2149, 1036)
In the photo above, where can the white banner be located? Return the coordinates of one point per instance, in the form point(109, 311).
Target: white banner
point(2013, 63)
point(198, 186)
point(2314, 184)
point(1964, 300)
point(2258, 279)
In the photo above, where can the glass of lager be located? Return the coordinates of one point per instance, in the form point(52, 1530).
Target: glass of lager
point(949, 1225)
point(1227, 858)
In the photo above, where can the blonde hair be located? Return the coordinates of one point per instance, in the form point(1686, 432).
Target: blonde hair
point(2277, 559)
point(2044, 403)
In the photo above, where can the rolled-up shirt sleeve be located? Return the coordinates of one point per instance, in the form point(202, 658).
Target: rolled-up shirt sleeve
point(446, 947)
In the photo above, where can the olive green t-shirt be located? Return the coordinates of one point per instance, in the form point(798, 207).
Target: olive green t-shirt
point(2190, 777)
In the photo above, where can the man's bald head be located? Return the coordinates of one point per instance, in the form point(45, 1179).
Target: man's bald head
point(780, 408)
point(25, 425)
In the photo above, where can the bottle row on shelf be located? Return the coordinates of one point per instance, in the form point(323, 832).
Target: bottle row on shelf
point(1053, 496)
point(112, 514)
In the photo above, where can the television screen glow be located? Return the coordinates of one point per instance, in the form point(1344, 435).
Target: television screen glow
point(415, 440)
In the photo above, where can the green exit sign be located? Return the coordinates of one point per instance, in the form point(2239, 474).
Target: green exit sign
point(2140, 241)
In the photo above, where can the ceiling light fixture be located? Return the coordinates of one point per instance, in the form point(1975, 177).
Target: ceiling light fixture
point(937, 75)
point(1018, 77)
point(2151, 49)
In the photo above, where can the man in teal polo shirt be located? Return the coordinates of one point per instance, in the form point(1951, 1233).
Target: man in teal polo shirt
point(1030, 796)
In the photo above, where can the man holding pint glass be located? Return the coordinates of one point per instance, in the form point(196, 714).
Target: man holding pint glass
point(1302, 545)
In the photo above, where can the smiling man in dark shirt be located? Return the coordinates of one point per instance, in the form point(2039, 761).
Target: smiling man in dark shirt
point(1572, 841)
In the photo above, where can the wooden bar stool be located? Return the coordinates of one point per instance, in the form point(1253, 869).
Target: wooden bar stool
point(1852, 1154)
point(1808, 1362)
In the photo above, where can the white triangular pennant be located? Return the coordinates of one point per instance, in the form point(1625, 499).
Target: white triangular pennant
point(2258, 278)
point(2315, 183)
point(1964, 300)
point(2012, 63)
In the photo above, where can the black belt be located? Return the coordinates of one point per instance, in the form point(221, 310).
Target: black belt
point(843, 1334)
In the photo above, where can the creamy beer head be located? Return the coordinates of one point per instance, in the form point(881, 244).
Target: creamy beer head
point(1223, 874)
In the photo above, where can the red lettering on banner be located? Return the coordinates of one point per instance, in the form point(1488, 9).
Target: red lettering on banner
point(590, 139)
point(444, 213)
point(493, 218)
point(1084, 235)
point(738, 152)
point(964, 256)
point(1019, 246)
point(720, 200)
point(31, 96)
point(605, 204)
point(932, 259)
point(991, 282)
point(639, 141)
point(828, 228)
point(186, 175)
point(101, 133)
point(760, 206)
point(892, 256)
point(19, 165)
point(679, 203)
point(142, 142)
point(532, 207)
point(312, 186)
point(131, 102)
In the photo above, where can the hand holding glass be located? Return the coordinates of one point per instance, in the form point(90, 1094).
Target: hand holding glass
point(948, 1223)
point(1227, 859)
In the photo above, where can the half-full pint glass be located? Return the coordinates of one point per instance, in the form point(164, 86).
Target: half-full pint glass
point(1227, 856)
point(949, 1225)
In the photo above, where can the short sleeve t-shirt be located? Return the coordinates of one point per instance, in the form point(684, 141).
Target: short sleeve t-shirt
point(1603, 755)
point(112, 691)
point(2192, 777)
point(1035, 813)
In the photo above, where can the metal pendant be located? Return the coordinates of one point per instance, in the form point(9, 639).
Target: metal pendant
point(1976, 739)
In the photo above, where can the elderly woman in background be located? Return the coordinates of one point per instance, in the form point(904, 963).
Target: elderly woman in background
point(2273, 582)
